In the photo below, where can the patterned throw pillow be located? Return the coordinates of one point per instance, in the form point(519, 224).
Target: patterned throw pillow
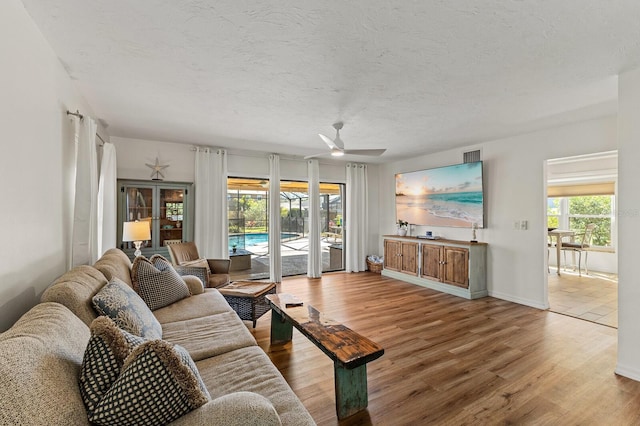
point(119, 302)
point(157, 282)
point(104, 356)
point(159, 382)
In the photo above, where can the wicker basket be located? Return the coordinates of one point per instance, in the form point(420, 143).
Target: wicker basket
point(374, 267)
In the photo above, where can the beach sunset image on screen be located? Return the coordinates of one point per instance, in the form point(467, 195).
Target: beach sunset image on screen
point(444, 196)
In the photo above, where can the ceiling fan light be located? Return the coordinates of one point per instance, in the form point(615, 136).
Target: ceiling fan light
point(337, 152)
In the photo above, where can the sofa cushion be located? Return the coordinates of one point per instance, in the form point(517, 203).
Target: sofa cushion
point(40, 359)
point(106, 351)
point(250, 369)
point(159, 383)
point(74, 289)
point(114, 263)
point(119, 302)
point(208, 303)
point(198, 263)
point(235, 409)
point(157, 282)
point(209, 336)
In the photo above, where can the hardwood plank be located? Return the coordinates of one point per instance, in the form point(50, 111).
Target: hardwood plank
point(450, 360)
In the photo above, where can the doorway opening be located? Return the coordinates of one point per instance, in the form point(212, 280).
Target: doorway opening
point(582, 265)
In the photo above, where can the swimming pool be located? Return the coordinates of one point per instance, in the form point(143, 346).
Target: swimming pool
point(246, 240)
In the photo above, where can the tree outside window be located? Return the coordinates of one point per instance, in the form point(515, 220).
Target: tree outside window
point(553, 212)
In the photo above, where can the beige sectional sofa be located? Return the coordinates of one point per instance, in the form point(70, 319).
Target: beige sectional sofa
point(41, 355)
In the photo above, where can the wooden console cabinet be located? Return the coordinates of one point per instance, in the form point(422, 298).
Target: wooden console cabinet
point(451, 266)
point(401, 256)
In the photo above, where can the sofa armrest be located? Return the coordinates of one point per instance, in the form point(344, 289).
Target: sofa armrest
point(194, 283)
point(198, 271)
point(219, 266)
point(234, 409)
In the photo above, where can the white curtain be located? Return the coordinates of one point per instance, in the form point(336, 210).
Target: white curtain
point(275, 257)
point(356, 220)
point(314, 263)
point(84, 247)
point(107, 200)
point(211, 224)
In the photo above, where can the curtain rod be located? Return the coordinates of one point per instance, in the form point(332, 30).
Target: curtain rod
point(77, 114)
point(80, 116)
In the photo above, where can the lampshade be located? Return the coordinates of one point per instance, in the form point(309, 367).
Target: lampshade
point(136, 231)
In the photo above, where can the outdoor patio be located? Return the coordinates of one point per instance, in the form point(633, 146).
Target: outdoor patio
point(294, 258)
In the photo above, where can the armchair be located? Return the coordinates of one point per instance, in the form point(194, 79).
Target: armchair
point(186, 261)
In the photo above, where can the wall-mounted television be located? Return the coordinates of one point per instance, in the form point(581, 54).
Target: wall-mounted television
point(443, 196)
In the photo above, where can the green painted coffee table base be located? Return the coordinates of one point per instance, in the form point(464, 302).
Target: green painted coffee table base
point(350, 378)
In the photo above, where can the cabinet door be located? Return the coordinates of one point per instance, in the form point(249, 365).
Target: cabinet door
point(456, 266)
point(409, 258)
point(171, 217)
point(392, 251)
point(138, 204)
point(432, 262)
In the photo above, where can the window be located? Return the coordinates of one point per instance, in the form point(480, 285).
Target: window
point(575, 212)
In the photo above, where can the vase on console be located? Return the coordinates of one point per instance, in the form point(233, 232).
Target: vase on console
point(402, 227)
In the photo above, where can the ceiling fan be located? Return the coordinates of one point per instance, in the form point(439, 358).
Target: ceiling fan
point(337, 146)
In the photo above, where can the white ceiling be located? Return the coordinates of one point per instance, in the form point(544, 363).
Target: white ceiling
point(409, 76)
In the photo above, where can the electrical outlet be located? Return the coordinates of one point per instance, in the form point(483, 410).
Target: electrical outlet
point(524, 224)
point(516, 225)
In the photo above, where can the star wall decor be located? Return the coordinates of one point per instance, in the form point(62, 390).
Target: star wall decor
point(157, 169)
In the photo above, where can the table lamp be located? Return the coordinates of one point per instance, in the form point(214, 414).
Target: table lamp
point(137, 232)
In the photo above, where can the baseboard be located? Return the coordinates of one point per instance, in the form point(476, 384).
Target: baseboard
point(630, 373)
point(519, 300)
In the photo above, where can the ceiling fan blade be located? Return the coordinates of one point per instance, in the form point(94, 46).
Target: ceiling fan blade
point(337, 141)
point(327, 141)
point(370, 152)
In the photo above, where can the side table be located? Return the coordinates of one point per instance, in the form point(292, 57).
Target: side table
point(247, 298)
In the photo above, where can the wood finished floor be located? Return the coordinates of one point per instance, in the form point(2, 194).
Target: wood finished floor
point(452, 361)
point(592, 297)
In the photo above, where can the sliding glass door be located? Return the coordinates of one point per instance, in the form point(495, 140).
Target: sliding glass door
point(248, 217)
point(331, 217)
point(249, 227)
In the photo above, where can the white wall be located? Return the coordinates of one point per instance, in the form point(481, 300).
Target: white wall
point(628, 224)
point(514, 179)
point(36, 164)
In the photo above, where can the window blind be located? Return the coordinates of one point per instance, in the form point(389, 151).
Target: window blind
point(604, 188)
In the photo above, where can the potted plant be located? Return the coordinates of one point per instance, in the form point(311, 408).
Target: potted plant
point(234, 248)
point(402, 227)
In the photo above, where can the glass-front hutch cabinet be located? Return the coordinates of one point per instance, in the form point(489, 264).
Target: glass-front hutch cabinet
point(167, 206)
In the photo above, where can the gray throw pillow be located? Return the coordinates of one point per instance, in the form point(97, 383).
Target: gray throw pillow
point(119, 302)
point(157, 282)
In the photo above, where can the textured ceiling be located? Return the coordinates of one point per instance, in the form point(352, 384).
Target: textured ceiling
point(409, 76)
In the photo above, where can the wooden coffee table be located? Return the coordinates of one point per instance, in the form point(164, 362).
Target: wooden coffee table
point(349, 350)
